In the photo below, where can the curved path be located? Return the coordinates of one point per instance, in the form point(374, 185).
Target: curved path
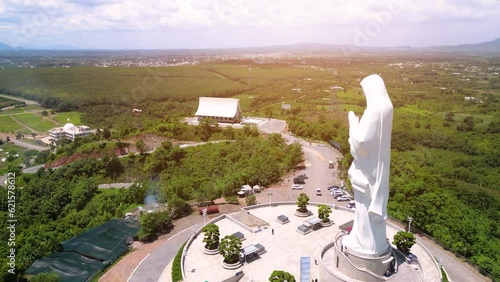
point(28, 102)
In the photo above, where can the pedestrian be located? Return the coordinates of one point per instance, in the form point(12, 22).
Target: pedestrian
point(315, 261)
point(272, 231)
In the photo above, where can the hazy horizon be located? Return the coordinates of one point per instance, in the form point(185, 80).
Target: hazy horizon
point(222, 24)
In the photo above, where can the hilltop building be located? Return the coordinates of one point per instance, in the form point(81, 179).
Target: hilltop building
point(225, 110)
point(69, 131)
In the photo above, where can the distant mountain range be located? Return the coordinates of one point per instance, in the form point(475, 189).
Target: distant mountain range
point(484, 47)
point(5, 46)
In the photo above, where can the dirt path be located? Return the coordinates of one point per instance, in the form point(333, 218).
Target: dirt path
point(25, 126)
point(49, 119)
point(28, 102)
point(23, 113)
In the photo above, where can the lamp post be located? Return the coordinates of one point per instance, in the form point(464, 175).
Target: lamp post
point(270, 193)
point(410, 219)
point(204, 212)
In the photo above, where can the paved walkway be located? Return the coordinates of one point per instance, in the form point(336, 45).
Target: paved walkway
point(286, 246)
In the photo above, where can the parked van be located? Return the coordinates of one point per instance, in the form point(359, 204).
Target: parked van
point(344, 198)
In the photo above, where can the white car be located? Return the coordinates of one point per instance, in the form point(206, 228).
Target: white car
point(297, 187)
point(318, 192)
point(336, 193)
point(344, 198)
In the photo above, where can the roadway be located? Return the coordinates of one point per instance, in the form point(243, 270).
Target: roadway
point(316, 157)
point(28, 102)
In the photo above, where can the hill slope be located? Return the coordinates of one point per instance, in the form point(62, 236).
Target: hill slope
point(4, 46)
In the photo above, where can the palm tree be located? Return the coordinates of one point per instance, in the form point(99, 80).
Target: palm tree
point(230, 248)
point(302, 202)
point(211, 239)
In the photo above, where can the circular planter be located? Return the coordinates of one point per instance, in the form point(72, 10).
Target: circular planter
point(301, 214)
point(210, 252)
point(326, 224)
point(231, 266)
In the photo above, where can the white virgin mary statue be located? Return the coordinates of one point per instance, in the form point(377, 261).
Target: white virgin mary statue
point(370, 141)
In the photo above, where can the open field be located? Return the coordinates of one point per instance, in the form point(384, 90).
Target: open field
point(73, 117)
point(8, 125)
point(35, 122)
point(122, 85)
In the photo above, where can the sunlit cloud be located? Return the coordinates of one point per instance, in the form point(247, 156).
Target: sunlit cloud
point(72, 16)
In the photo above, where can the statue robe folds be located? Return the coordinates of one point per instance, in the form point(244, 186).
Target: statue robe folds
point(370, 142)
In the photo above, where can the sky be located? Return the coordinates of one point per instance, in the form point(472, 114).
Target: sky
point(197, 24)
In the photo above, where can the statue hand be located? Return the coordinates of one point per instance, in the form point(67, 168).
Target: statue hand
point(353, 123)
point(353, 119)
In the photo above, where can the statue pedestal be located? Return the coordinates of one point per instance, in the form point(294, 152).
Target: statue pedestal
point(349, 265)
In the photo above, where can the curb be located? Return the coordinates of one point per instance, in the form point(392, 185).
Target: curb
point(142, 261)
point(137, 267)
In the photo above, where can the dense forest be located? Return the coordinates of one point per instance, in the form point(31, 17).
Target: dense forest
point(55, 205)
point(445, 143)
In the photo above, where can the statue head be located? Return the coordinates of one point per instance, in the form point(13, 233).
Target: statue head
point(375, 92)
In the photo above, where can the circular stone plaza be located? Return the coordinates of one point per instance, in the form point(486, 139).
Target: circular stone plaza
point(281, 246)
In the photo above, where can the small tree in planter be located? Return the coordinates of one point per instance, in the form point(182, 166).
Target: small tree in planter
point(281, 276)
point(404, 241)
point(324, 212)
point(230, 248)
point(302, 202)
point(251, 200)
point(212, 234)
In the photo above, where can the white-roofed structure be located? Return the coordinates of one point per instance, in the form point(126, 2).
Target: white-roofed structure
point(219, 109)
point(70, 131)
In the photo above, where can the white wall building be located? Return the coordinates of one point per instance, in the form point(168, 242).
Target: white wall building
point(225, 110)
point(70, 131)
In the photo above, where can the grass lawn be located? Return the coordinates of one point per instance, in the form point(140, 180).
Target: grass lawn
point(36, 122)
point(480, 121)
point(74, 117)
point(355, 108)
point(414, 110)
point(246, 101)
point(7, 124)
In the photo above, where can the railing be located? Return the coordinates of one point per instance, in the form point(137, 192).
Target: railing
point(425, 250)
point(458, 255)
point(190, 241)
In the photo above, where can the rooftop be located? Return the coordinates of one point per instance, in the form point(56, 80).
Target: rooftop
point(286, 247)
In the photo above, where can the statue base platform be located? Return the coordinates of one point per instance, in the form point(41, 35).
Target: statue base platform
point(341, 264)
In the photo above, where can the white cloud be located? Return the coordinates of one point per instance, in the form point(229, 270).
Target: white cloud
point(69, 16)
